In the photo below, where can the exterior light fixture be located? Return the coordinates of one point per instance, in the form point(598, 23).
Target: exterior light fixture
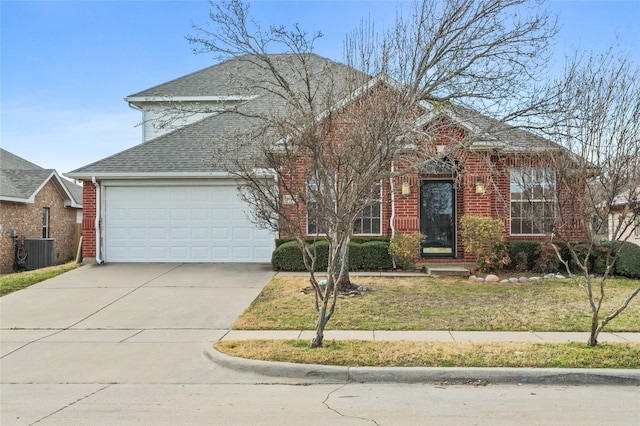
point(479, 186)
point(406, 189)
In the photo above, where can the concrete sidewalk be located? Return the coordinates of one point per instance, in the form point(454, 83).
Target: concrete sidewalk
point(434, 336)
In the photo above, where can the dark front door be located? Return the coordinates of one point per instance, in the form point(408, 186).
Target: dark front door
point(437, 218)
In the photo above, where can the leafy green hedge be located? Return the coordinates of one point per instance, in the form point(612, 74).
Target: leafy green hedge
point(372, 254)
point(628, 262)
point(529, 253)
point(311, 240)
point(523, 254)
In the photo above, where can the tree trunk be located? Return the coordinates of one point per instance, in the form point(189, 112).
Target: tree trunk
point(593, 336)
point(318, 339)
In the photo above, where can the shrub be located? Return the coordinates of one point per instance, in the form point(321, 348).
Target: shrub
point(628, 261)
point(376, 255)
point(546, 259)
point(403, 248)
point(372, 255)
point(356, 256)
point(485, 237)
point(599, 259)
point(287, 257)
point(321, 250)
point(362, 240)
point(522, 254)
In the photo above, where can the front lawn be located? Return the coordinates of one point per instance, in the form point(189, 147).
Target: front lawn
point(19, 280)
point(442, 304)
point(359, 353)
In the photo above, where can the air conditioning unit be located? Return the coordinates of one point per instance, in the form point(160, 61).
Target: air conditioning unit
point(40, 252)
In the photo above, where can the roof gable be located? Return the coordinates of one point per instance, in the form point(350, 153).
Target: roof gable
point(23, 180)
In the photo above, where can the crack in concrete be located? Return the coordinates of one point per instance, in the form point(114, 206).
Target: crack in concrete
point(326, 404)
point(73, 403)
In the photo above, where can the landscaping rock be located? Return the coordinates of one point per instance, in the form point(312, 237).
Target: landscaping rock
point(504, 281)
point(472, 278)
point(535, 279)
point(491, 278)
point(513, 280)
point(479, 280)
point(523, 279)
point(560, 277)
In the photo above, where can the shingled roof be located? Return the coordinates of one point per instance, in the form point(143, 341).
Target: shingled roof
point(194, 150)
point(22, 180)
point(236, 77)
point(191, 150)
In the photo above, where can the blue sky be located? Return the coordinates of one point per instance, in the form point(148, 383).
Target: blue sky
point(67, 65)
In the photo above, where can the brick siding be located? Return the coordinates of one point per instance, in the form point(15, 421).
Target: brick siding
point(26, 219)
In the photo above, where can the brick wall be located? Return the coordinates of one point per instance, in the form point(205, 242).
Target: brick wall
point(88, 220)
point(26, 219)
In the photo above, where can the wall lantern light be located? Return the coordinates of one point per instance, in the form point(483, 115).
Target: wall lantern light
point(479, 186)
point(406, 189)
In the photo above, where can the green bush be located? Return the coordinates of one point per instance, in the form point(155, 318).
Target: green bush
point(376, 255)
point(404, 248)
point(546, 259)
point(311, 240)
point(287, 257)
point(628, 262)
point(321, 250)
point(356, 256)
point(522, 254)
point(485, 238)
point(372, 255)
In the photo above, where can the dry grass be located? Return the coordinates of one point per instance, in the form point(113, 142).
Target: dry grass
point(439, 354)
point(19, 280)
point(442, 304)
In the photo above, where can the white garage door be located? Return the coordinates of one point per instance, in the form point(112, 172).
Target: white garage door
point(181, 224)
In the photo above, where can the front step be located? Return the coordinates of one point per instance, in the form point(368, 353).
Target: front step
point(447, 270)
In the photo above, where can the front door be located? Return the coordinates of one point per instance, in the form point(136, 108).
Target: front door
point(437, 218)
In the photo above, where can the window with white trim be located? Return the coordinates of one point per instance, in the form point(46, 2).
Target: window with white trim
point(370, 220)
point(45, 222)
point(532, 200)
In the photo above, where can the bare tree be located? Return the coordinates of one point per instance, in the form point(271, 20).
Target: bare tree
point(326, 136)
point(597, 119)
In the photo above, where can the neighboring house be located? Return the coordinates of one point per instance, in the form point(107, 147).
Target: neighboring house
point(163, 201)
point(620, 204)
point(36, 203)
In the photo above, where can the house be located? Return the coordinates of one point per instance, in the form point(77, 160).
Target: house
point(625, 211)
point(36, 204)
point(165, 200)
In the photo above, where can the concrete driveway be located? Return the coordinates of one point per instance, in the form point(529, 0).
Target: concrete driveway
point(125, 323)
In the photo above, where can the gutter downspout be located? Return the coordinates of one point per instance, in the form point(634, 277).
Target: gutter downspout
point(393, 209)
point(97, 223)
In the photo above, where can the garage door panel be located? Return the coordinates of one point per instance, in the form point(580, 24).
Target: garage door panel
point(181, 224)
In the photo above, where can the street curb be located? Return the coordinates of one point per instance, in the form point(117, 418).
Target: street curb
point(554, 376)
point(278, 369)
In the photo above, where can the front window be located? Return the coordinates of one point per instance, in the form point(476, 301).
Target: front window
point(532, 201)
point(370, 220)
